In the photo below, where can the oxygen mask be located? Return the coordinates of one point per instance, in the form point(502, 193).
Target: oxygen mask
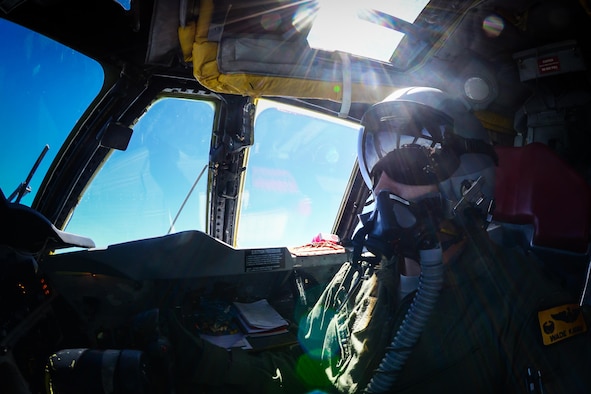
point(400, 226)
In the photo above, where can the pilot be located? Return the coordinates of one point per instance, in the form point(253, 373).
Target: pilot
point(427, 302)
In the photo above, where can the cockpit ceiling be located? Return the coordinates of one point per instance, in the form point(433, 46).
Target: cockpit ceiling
point(235, 49)
point(217, 42)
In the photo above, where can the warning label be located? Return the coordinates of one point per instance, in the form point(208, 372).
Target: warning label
point(548, 65)
point(561, 322)
point(264, 259)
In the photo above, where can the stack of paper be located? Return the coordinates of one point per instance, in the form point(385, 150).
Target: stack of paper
point(259, 318)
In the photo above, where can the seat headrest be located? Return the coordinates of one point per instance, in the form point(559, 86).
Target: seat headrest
point(535, 186)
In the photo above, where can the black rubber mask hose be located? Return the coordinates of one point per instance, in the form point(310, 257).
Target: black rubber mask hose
point(430, 284)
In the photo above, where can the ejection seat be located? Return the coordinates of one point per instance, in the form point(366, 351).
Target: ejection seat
point(544, 207)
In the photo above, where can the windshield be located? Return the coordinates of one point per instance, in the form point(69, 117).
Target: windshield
point(45, 88)
point(158, 185)
point(297, 173)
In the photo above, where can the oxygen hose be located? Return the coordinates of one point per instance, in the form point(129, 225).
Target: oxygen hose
point(407, 335)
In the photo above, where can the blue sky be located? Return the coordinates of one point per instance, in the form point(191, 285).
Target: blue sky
point(44, 89)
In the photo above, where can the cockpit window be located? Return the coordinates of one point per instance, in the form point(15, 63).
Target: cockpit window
point(296, 173)
point(45, 88)
point(158, 185)
point(298, 169)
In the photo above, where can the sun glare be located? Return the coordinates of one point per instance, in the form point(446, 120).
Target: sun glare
point(337, 27)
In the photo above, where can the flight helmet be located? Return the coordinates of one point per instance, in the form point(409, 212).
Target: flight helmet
point(422, 136)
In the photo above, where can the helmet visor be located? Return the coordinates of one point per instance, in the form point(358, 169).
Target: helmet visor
point(416, 131)
point(410, 165)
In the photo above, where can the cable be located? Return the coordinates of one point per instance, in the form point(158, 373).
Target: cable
point(187, 198)
point(430, 284)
